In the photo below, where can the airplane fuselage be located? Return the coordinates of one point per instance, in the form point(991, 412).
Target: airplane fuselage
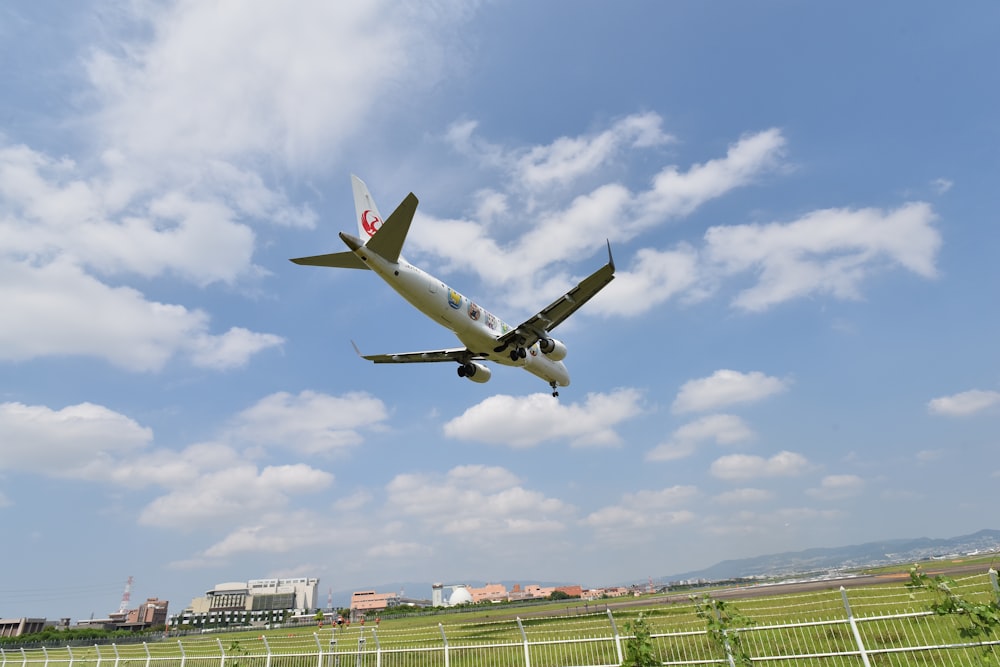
point(484, 336)
point(477, 328)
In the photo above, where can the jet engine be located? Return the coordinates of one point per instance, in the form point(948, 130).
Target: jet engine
point(476, 372)
point(553, 349)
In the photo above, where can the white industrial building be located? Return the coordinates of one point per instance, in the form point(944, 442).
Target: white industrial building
point(258, 601)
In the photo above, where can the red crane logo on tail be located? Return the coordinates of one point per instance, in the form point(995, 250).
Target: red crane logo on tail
point(370, 222)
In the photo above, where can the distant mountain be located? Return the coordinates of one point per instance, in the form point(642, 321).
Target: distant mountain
point(869, 554)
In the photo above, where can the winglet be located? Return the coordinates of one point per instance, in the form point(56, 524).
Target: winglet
point(611, 260)
point(357, 349)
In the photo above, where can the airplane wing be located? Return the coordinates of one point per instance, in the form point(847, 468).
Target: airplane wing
point(457, 354)
point(556, 312)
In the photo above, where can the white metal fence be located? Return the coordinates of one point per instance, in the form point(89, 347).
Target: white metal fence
point(873, 626)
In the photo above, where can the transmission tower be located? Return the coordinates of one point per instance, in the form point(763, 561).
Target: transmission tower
point(126, 596)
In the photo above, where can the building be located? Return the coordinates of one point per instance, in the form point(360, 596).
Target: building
point(255, 602)
point(150, 614)
point(530, 592)
point(489, 593)
point(460, 594)
point(15, 627)
point(369, 602)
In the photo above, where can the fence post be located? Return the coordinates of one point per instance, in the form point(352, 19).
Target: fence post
point(117, 656)
point(97, 649)
point(267, 647)
point(854, 628)
point(222, 650)
point(361, 648)
point(618, 638)
point(24, 658)
point(444, 638)
point(319, 648)
point(996, 586)
point(3, 657)
point(69, 650)
point(524, 637)
point(149, 658)
point(378, 649)
point(183, 654)
point(45, 652)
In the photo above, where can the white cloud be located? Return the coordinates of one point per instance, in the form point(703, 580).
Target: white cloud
point(677, 194)
point(722, 429)
point(283, 533)
point(527, 421)
point(233, 493)
point(562, 231)
point(653, 278)
point(56, 208)
point(771, 524)
point(310, 422)
point(941, 185)
point(219, 80)
point(398, 550)
point(744, 466)
point(38, 439)
point(726, 387)
point(190, 111)
point(637, 515)
point(964, 404)
point(568, 158)
point(829, 251)
point(57, 309)
point(743, 496)
point(838, 487)
point(475, 503)
point(58, 233)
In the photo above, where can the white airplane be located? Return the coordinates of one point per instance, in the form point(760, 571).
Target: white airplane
point(484, 335)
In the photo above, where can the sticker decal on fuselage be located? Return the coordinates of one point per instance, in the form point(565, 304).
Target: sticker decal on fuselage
point(474, 312)
point(454, 299)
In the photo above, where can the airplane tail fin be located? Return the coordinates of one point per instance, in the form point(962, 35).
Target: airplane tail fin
point(369, 219)
point(389, 241)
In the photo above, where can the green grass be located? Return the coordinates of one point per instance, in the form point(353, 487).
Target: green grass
point(827, 631)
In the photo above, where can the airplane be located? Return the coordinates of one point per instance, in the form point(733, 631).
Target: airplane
point(484, 336)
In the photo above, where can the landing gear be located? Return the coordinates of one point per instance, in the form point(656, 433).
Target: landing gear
point(554, 392)
point(518, 353)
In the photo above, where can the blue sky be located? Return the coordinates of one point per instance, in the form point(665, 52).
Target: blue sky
point(799, 349)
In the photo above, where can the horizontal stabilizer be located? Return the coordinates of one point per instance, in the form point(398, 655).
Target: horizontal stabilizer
point(336, 260)
point(388, 240)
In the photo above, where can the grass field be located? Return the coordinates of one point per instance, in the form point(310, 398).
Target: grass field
point(890, 618)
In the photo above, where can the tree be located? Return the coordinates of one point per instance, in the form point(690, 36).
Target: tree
point(725, 624)
point(982, 619)
point(639, 649)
